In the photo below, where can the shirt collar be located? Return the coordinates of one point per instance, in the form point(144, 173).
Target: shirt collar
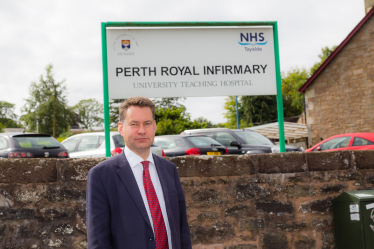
point(135, 159)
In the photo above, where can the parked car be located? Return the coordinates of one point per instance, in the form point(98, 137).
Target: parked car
point(182, 145)
point(349, 141)
point(241, 141)
point(92, 144)
point(29, 145)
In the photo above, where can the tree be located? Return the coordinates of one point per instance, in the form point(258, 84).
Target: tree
point(326, 52)
point(209, 124)
point(114, 111)
point(90, 112)
point(230, 114)
point(293, 103)
point(168, 102)
point(259, 109)
point(47, 101)
point(7, 116)
point(174, 120)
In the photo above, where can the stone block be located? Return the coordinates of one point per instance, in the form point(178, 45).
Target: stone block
point(208, 182)
point(332, 188)
point(23, 230)
point(328, 239)
point(63, 229)
point(300, 190)
point(28, 196)
point(30, 170)
point(350, 177)
point(291, 226)
point(274, 240)
point(80, 245)
point(304, 242)
point(56, 212)
point(80, 221)
point(370, 179)
point(208, 197)
point(295, 179)
point(77, 169)
point(42, 232)
point(6, 199)
point(187, 183)
point(322, 223)
point(280, 162)
point(317, 206)
point(59, 194)
point(325, 161)
point(4, 230)
point(208, 215)
point(248, 191)
point(274, 207)
point(16, 214)
point(251, 224)
point(239, 211)
point(364, 159)
point(218, 232)
point(207, 166)
point(242, 246)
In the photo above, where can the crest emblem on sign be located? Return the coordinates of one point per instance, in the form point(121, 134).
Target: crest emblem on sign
point(125, 45)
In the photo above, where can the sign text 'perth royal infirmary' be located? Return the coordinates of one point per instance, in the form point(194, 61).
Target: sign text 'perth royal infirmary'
point(187, 62)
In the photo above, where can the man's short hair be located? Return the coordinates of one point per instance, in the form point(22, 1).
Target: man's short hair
point(135, 101)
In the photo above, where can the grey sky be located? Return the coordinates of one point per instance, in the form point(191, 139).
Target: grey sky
point(67, 34)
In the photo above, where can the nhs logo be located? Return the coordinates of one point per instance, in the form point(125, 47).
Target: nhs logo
point(252, 39)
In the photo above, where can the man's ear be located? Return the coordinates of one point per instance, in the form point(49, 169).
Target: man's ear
point(120, 128)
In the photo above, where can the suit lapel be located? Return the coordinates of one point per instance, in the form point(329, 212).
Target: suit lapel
point(162, 175)
point(127, 177)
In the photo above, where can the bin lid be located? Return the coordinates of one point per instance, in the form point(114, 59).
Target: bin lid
point(355, 196)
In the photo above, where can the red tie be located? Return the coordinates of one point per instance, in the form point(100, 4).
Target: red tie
point(154, 206)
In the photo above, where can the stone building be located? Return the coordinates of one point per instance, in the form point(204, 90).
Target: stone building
point(339, 96)
point(368, 5)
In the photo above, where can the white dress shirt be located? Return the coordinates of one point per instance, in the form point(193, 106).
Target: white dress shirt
point(137, 169)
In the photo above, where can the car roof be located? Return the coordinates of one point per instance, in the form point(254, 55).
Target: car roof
point(217, 129)
point(19, 134)
point(207, 129)
point(96, 133)
point(360, 134)
point(181, 136)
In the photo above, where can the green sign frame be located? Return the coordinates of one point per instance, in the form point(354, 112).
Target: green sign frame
point(104, 25)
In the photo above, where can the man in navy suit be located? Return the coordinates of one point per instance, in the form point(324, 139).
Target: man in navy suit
point(135, 199)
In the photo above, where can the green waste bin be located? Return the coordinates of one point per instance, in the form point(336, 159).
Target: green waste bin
point(354, 219)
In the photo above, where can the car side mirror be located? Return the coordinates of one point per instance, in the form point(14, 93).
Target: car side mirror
point(235, 143)
point(319, 148)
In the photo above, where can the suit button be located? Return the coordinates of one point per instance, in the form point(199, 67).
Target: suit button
point(151, 238)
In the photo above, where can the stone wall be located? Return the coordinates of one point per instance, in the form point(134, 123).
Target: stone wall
point(368, 5)
point(269, 201)
point(341, 99)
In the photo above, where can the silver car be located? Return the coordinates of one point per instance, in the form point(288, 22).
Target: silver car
point(92, 144)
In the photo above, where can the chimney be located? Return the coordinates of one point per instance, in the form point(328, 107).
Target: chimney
point(368, 5)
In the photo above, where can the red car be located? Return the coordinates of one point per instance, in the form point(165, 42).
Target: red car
point(349, 141)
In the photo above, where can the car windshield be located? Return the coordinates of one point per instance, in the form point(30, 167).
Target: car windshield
point(170, 142)
point(37, 142)
point(203, 141)
point(250, 137)
point(118, 141)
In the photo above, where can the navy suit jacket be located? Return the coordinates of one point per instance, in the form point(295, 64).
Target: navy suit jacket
point(116, 215)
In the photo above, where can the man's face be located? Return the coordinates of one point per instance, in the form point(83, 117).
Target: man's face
point(138, 130)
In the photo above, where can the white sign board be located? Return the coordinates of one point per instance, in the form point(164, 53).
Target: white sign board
point(190, 62)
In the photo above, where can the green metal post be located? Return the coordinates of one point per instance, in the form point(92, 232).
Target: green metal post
point(279, 90)
point(237, 112)
point(105, 90)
